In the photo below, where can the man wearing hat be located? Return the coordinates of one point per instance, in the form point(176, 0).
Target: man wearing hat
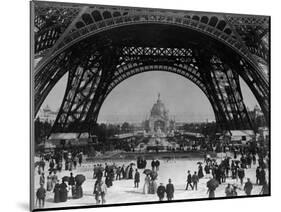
point(189, 180)
point(161, 191)
point(170, 190)
point(248, 187)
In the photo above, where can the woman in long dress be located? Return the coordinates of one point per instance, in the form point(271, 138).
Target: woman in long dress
point(200, 171)
point(130, 173)
point(127, 172)
point(57, 192)
point(146, 184)
point(54, 178)
point(49, 182)
point(154, 187)
point(63, 192)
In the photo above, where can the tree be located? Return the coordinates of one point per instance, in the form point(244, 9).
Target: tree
point(41, 130)
point(125, 127)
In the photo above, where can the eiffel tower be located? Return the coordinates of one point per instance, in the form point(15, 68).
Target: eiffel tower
point(101, 46)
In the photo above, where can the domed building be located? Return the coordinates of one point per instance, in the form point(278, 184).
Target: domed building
point(159, 118)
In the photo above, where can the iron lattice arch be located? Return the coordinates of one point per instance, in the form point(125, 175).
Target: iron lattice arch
point(101, 46)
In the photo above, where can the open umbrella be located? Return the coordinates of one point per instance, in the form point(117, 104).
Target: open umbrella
point(65, 178)
point(237, 162)
point(132, 164)
point(112, 167)
point(147, 171)
point(100, 168)
point(212, 184)
point(199, 162)
point(80, 179)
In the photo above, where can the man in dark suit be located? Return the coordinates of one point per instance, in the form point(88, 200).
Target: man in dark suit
point(170, 190)
point(161, 191)
point(137, 179)
point(189, 180)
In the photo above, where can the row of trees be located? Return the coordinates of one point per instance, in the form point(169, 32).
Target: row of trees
point(109, 130)
point(42, 130)
point(209, 129)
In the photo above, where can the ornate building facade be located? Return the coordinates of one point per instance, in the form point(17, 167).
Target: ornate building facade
point(159, 119)
point(46, 114)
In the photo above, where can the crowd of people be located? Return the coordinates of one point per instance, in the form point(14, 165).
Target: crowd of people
point(215, 169)
point(51, 183)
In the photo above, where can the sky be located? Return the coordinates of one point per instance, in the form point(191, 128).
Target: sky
point(133, 98)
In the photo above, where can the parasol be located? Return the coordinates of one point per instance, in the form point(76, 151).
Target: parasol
point(80, 179)
point(65, 179)
point(132, 164)
point(212, 184)
point(237, 162)
point(100, 168)
point(112, 167)
point(147, 171)
point(199, 162)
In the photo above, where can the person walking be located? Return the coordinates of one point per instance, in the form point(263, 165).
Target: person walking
point(189, 181)
point(71, 183)
point(262, 176)
point(170, 190)
point(254, 159)
point(42, 179)
point(80, 158)
point(265, 189)
point(200, 171)
point(234, 191)
point(248, 187)
point(161, 192)
point(241, 174)
point(99, 173)
point(103, 190)
point(52, 165)
point(258, 170)
point(211, 193)
point(63, 191)
point(137, 179)
point(130, 176)
point(57, 192)
point(123, 172)
point(75, 159)
point(54, 178)
point(49, 182)
point(100, 190)
point(212, 184)
point(40, 195)
point(97, 192)
point(157, 165)
point(146, 184)
point(195, 180)
point(153, 165)
point(228, 190)
point(207, 170)
point(118, 173)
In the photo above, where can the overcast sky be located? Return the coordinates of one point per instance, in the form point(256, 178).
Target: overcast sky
point(133, 98)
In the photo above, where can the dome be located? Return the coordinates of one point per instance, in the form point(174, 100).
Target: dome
point(159, 109)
